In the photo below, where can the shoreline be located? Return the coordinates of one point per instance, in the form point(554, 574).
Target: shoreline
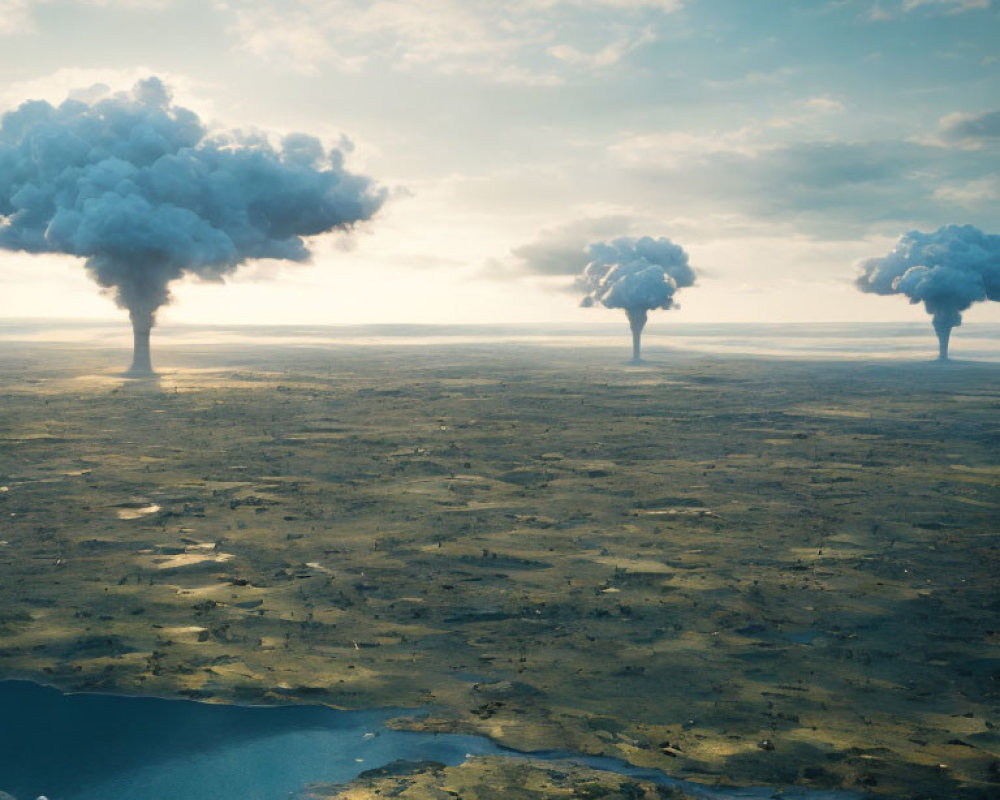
point(581, 767)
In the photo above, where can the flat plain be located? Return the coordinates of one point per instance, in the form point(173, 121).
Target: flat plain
point(736, 570)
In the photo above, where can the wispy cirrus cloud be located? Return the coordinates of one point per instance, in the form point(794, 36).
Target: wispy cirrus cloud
point(517, 42)
point(827, 188)
point(970, 194)
point(676, 147)
point(663, 5)
point(883, 11)
point(607, 56)
point(753, 78)
point(951, 6)
point(16, 16)
point(971, 129)
point(824, 105)
point(672, 149)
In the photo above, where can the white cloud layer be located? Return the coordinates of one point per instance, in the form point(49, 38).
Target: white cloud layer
point(449, 36)
point(881, 11)
point(974, 129)
point(952, 6)
point(16, 16)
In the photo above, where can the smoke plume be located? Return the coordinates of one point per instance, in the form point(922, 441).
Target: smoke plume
point(137, 187)
point(637, 275)
point(947, 271)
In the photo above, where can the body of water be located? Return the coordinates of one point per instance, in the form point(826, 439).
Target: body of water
point(109, 747)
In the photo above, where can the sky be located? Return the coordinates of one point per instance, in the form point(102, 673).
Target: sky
point(779, 142)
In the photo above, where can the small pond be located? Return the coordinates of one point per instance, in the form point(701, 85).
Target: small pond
point(110, 747)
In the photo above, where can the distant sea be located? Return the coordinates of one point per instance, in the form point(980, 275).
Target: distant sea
point(865, 341)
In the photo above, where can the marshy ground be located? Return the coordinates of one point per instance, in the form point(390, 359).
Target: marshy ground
point(745, 571)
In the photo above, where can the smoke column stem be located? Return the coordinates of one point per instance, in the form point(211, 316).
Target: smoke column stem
point(142, 365)
point(943, 330)
point(637, 321)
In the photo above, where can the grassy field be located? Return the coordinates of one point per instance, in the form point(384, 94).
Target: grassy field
point(736, 570)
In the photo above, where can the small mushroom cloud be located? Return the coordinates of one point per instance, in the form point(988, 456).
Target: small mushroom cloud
point(637, 275)
point(137, 186)
point(947, 270)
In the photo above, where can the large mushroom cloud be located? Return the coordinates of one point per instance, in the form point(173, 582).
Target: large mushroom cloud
point(948, 271)
point(636, 275)
point(136, 186)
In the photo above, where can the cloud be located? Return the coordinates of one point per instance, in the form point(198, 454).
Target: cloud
point(948, 271)
point(136, 186)
point(16, 18)
point(833, 188)
point(608, 55)
point(950, 6)
point(150, 4)
point(753, 78)
point(970, 194)
point(496, 42)
point(676, 148)
point(306, 34)
point(824, 105)
point(880, 12)
point(293, 38)
point(637, 276)
point(668, 6)
point(562, 250)
point(975, 128)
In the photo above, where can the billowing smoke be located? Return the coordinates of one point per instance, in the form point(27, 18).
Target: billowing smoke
point(637, 275)
point(137, 187)
point(947, 271)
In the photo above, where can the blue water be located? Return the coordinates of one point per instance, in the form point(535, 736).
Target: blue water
point(108, 747)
